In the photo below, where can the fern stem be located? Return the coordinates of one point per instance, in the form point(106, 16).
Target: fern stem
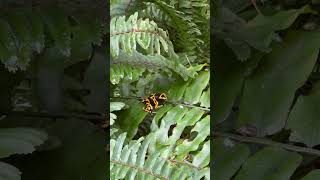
point(189, 105)
point(263, 141)
point(170, 102)
point(134, 30)
point(139, 169)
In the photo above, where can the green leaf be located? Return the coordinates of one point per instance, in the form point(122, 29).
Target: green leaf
point(269, 92)
point(304, 119)
point(85, 35)
point(59, 28)
point(22, 35)
point(181, 118)
point(116, 106)
point(205, 98)
point(313, 175)
point(37, 30)
point(94, 80)
point(202, 128)
point(228, 79)
point(195, 88)
point(236, 6)
point(129, 119)
point(258, 32)
point(202, 158)
point(227, 158)
point(49, 80)
point(270, 163)
point(8, 51)
point(9, 172)
point(82, 142)
point(20, 140)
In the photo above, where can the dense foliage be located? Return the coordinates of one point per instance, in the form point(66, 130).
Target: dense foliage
point(266, 59)
point(160, 46)
point(52, 95)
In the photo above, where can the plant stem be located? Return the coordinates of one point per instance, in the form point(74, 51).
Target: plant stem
point(263, 141)
point(87, 116)
point(139, 169)
point(170, 102)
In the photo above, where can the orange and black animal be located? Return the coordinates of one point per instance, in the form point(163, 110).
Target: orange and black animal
point(154, 101)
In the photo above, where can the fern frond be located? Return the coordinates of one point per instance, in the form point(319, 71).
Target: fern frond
point(126, 34)
point(193, 91)
point(124, 7)
point(115, 106)
point(143, 62)
point(198, 12)
point(124, 71)
point(180, 118)
point(182, 29)
point(133, 161)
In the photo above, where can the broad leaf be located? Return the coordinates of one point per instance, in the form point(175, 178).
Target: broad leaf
point(94, 80)
point(227, 158)
point(20, 140)
point(129, 119)
point(228, 79)
point(81, 154)
point(304, 119)
point(270, 163)
point(313, 175)
point(9, 172)
point(269, 92)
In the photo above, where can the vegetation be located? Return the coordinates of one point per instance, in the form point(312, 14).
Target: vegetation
point(159, 46)
point(266, 120)
point(52, 95)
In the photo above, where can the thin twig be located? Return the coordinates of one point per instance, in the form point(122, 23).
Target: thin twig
point(170, 102)
point(255, 140)
point(54, 116)
point(189, 105)
point(256, 6)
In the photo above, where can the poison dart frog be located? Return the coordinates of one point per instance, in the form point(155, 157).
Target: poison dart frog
point(154, 101)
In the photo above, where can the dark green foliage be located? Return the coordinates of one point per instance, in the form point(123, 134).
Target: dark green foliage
point(53, 94)
point(266, 58)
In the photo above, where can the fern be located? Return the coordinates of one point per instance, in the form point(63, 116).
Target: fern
point(115, 106)
point(120, 66)
point(132, 161)
point(145, 59)
point(124, 7)
point(125, 34)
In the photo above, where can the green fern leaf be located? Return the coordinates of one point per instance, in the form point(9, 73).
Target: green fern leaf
point(133, 161)
point(125, 34)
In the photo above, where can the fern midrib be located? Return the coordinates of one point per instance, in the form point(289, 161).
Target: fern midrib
point(149, 64)
point(145, 171)
point(136, 31)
